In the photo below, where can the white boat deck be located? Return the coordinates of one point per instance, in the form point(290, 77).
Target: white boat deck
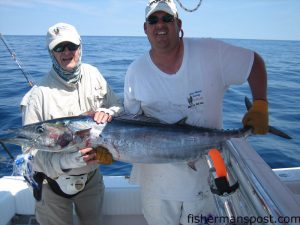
point(17, 202)
point(291, 178)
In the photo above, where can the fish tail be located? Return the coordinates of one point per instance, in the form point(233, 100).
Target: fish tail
point(272, 130)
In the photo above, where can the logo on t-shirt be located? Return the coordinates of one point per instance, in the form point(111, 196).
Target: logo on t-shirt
point(195, 99)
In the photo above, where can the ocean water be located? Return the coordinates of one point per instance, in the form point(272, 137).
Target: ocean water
point(112, 55)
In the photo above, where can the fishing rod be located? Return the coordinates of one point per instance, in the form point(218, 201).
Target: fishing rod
point(7, 150)
point(14, 56)
point(26, 75)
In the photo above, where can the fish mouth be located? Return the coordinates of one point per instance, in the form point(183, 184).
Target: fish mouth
point(20, 141)
point(11, 136)
point(28, 144)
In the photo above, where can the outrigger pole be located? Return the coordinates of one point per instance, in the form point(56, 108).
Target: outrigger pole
point(14, 56)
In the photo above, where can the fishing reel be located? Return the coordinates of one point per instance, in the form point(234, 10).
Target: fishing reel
point(23, 167)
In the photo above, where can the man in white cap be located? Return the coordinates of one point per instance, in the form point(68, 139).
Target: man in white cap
point(71, 88)
point(186, 78)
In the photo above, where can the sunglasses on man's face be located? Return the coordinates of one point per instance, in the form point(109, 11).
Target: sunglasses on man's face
point(166, 19)
point(61, 47)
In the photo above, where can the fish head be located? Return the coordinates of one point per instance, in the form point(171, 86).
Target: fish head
point(45, 136)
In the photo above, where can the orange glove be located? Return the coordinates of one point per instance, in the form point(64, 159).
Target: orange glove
point(258, 117)
point(103, 156)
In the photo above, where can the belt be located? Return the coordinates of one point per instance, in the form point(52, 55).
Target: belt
point(57, 190)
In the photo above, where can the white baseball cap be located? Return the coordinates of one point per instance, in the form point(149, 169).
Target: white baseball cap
point(61, 32)
point(167, 6)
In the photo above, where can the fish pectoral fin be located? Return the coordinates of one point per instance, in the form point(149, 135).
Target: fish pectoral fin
point(272, 130)
point(182, 121)
point(83, 133)
point(103, 155)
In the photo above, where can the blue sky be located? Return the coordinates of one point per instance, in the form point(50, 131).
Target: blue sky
point(253, 19)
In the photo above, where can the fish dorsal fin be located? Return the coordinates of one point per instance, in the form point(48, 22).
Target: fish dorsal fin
point(142, 119)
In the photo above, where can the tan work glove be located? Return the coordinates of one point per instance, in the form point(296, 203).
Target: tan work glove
point(103, 156)
point(258, 117)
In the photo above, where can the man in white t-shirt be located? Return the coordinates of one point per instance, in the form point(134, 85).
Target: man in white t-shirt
point(186, 78)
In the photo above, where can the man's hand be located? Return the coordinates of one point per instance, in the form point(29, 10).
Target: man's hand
point(103, 155)
point(78, 159)
point(103, 115)
point(258, 117)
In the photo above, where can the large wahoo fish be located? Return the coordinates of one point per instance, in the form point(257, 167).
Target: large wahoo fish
point(129, 138)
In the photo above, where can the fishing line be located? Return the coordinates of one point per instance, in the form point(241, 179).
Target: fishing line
point(14, 56)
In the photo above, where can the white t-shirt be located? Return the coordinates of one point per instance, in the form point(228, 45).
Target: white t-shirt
point(196, 92)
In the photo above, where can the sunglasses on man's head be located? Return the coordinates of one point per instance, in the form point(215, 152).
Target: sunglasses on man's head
point(154, 19)
point(61, 47)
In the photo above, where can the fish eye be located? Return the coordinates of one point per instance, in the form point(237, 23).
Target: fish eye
point(40, 129)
